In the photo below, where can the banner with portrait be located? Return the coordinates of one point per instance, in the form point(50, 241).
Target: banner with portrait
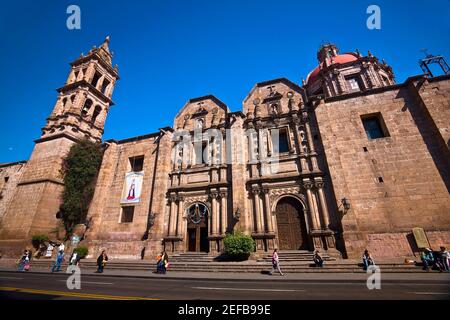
point(132, 187)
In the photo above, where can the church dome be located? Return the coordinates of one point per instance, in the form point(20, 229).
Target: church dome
point(341, 59)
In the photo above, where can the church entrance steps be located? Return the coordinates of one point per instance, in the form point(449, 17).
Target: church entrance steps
point(191, 257)
point(297, 255)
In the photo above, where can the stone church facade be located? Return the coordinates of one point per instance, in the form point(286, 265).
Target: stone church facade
point(348, 160)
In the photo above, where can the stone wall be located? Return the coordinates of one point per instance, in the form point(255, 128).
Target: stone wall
point(106, 230)
point(10, 175)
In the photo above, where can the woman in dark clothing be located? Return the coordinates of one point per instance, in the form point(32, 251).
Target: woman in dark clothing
point(101, 261)
point(318, 260)
point(165, 262)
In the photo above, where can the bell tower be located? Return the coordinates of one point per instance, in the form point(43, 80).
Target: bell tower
point(84, 101)
point(79, 113)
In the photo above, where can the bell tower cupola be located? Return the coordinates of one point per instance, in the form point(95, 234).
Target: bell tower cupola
point(84, 101)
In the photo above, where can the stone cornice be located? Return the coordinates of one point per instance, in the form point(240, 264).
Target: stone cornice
point(284, 177)
point(200, 186)
point(97, 57)
point(34, 181)
point(57, 136)
point(10, 164)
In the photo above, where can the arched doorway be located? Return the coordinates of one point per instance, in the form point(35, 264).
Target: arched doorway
point(197, 228)
point(292, 232)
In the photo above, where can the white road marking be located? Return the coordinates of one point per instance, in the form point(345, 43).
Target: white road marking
point(245, 289)
point(92, 282)
point(11, 278)
point(431, 293)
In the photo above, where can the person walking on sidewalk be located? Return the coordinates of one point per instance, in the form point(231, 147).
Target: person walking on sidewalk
point(58, 261)
point(427, 259)
point(101, 261)
point(165, 262)
point(159, 262)
point(22, 260)
point(73, 261)
point(27, 265)
point(444, 257)
point(276, 263)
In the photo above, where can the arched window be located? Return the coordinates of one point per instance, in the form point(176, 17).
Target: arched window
point(105, 85)
point(97, 111)
point(96, 78)
point(64, 101)
point(86, 107)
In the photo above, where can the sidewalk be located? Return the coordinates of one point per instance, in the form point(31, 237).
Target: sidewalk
point(214, 276)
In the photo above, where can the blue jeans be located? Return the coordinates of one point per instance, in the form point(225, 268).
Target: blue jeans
point(427, 263)
point(367, 263)
point(445, 263)
point(57, 266)
point(100, 268)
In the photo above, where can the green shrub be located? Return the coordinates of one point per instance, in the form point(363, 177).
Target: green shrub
point(81, 251)
point(37, 239)
point(238, 245)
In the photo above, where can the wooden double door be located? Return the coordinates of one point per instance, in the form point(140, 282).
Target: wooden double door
point(292, 232)
point(198, 239)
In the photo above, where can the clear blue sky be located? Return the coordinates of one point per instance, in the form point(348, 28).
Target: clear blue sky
point(170, 51)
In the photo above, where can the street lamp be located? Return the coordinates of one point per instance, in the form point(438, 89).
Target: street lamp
point(237, 214)
point(346, 204)
point(151, 219)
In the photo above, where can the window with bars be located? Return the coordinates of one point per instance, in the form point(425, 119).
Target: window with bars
point(374, 126)
point(127, 214)
point(137, 163)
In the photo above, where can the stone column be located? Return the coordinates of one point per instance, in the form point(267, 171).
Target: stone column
point(303, 164)
point(258, 216)
point(224, 213)
point(100, 83)
point(314, 218)
point(172, 214)
point(214, 215)
point(268, 211)
point(180, 230)
point(269, 144)
point(323, 204)
point(315, 166)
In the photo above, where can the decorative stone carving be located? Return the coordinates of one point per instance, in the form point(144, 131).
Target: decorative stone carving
point(173, 197)
point(274, 194)
point(308, 184)
point(319, 184)
point(189, 200)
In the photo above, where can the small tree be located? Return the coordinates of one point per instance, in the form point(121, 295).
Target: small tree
point(81, 251)
point(80, 169)
point(238, 246)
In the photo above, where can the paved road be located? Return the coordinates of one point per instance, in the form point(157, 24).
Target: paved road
point(53, 286)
